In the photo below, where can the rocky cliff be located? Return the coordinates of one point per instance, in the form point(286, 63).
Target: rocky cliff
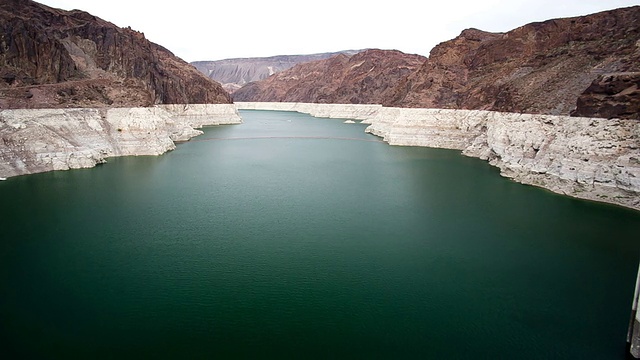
point(51, 58)
point(38, 140)
point(589, 158)
point(362, 78)
point(235, 73)
point(537, 68)
point(586, 66)
point(611, 95)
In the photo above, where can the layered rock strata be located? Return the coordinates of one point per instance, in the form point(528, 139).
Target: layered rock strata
point(39, 140)
point(589, 158)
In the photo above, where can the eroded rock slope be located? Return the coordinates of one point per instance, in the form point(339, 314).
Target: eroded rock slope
point(586, 66)
point(363, 78)
point(235, 73)
point(51, 58)
point(537, 68)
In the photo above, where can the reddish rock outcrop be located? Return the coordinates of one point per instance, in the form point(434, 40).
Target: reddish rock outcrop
point(235, 73)
point(56, 58)
point(537, 68)
point(610, 96)
point(365, 77)
point(542, 67)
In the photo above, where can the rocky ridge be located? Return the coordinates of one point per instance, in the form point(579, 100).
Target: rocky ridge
point(587, 66)
point(235, 73)
point(589, 158)
point(363, 78)
point(38, 140)
point(51, 58)
point(540, 68)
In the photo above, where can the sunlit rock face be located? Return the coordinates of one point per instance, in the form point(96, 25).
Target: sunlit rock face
point(38, 140)
point(590, 158)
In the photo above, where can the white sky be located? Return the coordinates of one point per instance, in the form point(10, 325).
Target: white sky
point(214, 30)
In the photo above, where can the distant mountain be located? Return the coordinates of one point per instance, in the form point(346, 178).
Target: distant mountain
point(54, 58)
point(235, 73)
point(584, 66)
point(365, 77)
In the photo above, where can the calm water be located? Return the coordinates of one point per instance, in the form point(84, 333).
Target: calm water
point(295, 237)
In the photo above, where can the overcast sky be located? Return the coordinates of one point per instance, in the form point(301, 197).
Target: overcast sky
point(213, 30)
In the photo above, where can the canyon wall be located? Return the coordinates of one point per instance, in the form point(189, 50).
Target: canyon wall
point(588, 158)
point(52, 58)
point(363, 78)
point(587, 66)
point(38, 140)
point(538, 68)
point(235, 73)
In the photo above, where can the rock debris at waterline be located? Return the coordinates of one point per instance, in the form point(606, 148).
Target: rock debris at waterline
point(39, 140)
point(588, 158)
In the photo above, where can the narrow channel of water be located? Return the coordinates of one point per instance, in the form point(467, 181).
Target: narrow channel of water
point(288, 236)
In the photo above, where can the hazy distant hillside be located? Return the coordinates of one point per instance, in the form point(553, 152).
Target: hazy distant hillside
point(234, 73)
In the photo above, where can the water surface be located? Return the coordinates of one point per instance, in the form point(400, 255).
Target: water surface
point(290, 236)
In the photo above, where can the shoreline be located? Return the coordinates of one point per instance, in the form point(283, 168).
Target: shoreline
point(586, 158)
point(40, 140)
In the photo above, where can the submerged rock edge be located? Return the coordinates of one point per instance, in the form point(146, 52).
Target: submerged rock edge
point(587, 158)
point(39, 140)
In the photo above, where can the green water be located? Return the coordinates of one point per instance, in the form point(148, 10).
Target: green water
point(294, 237)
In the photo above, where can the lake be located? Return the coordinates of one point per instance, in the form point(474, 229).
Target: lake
point(290, 236)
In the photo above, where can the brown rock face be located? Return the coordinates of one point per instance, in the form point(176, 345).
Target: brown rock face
point(611, 96)
point(235, 73)
point(365, 77)
point(56, 58)
point(536, 68)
